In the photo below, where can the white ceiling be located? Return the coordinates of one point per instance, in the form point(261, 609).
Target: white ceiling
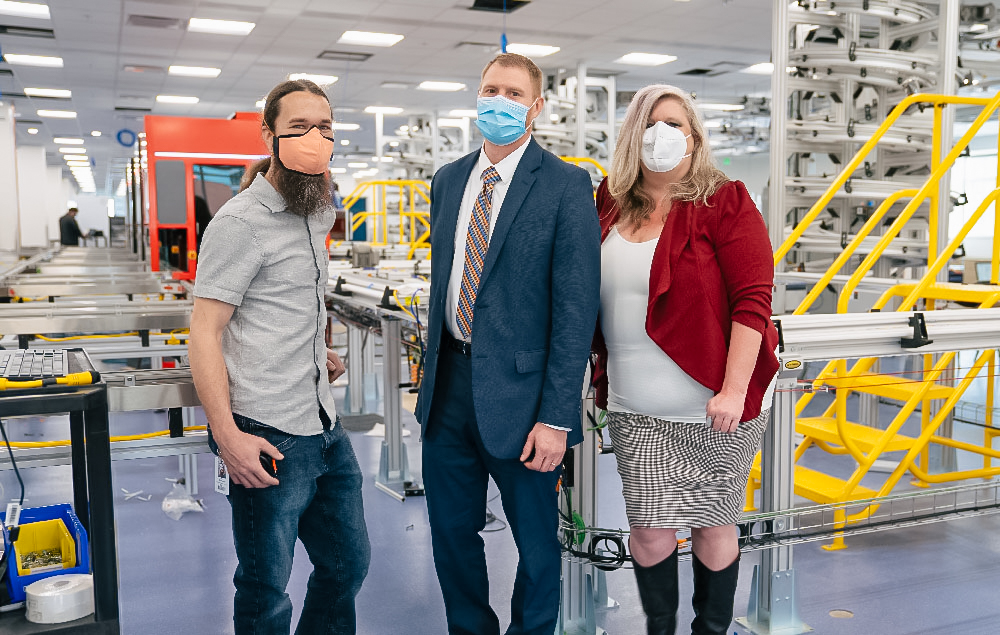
point(95, 41)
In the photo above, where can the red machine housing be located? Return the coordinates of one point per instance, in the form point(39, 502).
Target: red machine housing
point(176, 144)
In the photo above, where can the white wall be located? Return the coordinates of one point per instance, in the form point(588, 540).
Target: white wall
point(32, 188)
point(752, 169)
point(93, 212)
point(8, 182)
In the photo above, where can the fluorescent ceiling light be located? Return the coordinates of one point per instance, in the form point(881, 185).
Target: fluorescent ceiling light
point(221, 27)
point(58, 114)
point(532, 50)
point(385, 110)
point(463, 112)
point(345, 142)
point(194, 71)
point(359, 175)
point(68, 141)
point(645, 59)
point(338, 170)
point(345, 126)
point(322, 80)
point(32, 130)
point(76, 157)
point(723, 107)
point(396, 85)
point(176, 99)
point(452, 123)
point(57, 93)
point(259, 103)
point(441, 86)
point(73, 150)
point(367, 38)
point(357, 164)
point(80, 164)
point(33, 60)
point(95, 133)
point(24, 9)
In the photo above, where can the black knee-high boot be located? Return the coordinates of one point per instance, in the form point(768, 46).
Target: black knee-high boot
point(658, 593)
point(713, 597)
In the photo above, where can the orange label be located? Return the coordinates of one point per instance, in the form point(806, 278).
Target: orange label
point(174, 249)
point(192, 255)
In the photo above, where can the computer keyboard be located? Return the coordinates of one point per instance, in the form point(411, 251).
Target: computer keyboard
point(28, 365)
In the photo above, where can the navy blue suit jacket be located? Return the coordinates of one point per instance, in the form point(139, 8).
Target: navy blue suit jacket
point(537, 302)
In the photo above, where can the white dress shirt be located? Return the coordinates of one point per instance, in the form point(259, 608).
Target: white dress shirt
point(505, 168)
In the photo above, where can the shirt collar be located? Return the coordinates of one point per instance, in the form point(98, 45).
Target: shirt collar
point(266, 195)
point(506, 167)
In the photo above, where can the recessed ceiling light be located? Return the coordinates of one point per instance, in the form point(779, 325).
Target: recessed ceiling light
point(95, 133)
point(723, 107)
point(58, 114)
point(385, 110)
point(345, 142)
point(33, 60)
point(259, 103)
point(357, 164)
point(645, 59)
point(367, 38)
point(77, 163)
point(396, 85)
point(176, 99)
point(345, 126)
point(441, 86)
point(56, 93)
point(76, 157)
point(532, 50)
point(463, 112)
point(194, 71)
point(73, 150)
point(338, 170)
point(322, 80)
point(221, 27)
point(25, 9)
point(444, 122)
point(68, 141)
point(32, 130)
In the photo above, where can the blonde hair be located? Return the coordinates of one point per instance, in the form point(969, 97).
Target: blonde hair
point(513, 60)
point(625, 179)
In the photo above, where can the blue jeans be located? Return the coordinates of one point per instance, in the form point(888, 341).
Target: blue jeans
point(318, 501)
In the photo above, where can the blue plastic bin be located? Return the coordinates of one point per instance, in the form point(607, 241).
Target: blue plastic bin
point(64, 512)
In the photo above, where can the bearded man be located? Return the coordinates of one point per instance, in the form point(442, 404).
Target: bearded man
point(263, 373)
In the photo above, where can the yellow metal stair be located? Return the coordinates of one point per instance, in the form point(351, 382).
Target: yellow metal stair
point(901, 388)
point(865, 438)
point(818, 487)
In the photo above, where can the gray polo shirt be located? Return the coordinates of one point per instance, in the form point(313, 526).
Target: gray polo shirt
point(272, 266)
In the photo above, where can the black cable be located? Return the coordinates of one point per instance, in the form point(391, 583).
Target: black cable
point(491, 518)
point(13, 463)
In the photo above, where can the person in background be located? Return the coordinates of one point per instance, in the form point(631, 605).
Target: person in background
point(202, 217)
point(69, 230)
point(263, 374)
point(685, 346)
point(514, 296)
point(337, 199)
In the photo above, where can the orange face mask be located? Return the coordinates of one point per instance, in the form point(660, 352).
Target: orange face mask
point(306, 153)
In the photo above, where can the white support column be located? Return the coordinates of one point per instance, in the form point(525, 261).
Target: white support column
point(393, 476)
point(779, 122)
point(10, 218)
point(32, 183)
point(581, 110)
point(948, 20)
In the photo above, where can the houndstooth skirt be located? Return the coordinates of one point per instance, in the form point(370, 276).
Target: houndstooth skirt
point(682, 475)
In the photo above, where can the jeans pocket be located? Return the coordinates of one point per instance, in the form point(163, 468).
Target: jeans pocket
point(282, 441)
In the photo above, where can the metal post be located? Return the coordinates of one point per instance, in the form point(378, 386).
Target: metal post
point(393, 471)
point(779, 122)
point(948, 19)
point(355, 370)
point(581, 110)
point(773, 607)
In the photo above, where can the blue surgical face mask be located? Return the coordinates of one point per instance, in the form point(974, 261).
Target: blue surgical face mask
point(502, 121)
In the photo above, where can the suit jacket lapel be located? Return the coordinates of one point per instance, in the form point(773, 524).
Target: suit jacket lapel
point(520, 185)
point(450, 204)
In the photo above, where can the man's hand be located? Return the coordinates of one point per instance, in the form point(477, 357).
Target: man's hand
point(241, 454)
point(548, 446)
point(725, 409)
point(335, 368)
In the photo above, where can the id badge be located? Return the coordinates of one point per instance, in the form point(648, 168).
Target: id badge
point(221, 477)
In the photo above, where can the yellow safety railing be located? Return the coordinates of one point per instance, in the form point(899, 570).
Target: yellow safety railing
point(832, 431)
point(414, 222)
point(584, 161)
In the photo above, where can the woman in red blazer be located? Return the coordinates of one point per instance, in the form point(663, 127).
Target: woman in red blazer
point(686, 351)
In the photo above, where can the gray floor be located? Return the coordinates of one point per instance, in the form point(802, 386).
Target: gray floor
point(175, 576)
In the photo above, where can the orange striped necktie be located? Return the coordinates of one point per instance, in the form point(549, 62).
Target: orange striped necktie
point(476, 244)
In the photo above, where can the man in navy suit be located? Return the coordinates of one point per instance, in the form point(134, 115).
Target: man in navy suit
point(515, 289)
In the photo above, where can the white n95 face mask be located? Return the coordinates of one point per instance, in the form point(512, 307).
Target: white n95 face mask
point(663, 147)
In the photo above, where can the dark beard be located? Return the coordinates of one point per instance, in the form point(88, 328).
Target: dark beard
point(304, 194)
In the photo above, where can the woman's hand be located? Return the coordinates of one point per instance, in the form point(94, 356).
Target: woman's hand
point(725, 410)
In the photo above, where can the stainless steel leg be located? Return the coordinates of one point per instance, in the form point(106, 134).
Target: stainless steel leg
point(393, 472)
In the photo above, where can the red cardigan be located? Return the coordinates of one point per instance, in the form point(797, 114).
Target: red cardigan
point(712, 266)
